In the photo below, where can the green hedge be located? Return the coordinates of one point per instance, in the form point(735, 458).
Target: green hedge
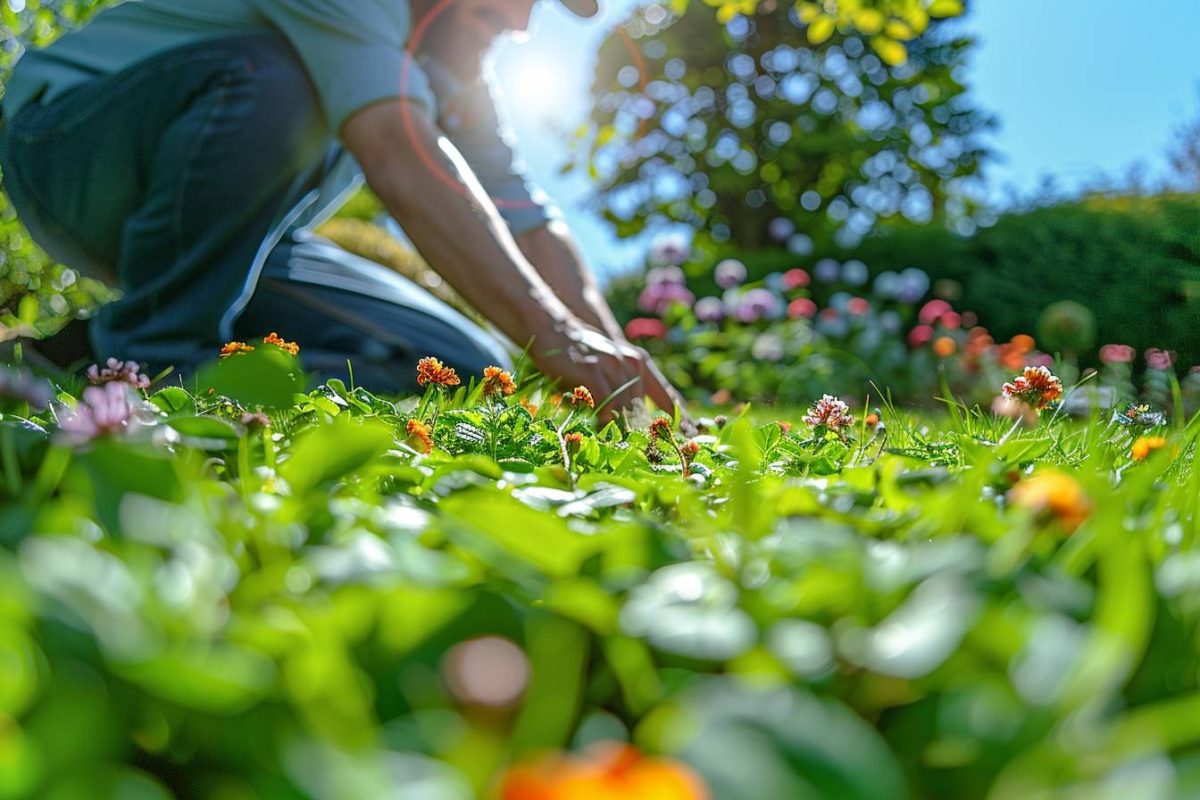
point(1134, 261)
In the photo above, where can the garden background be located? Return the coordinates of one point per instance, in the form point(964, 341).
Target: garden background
point(925, 530)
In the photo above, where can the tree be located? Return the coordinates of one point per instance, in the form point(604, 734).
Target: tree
point(748, 133)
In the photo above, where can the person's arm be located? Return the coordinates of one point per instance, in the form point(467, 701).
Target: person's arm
point(552, 252)
point(430, 191)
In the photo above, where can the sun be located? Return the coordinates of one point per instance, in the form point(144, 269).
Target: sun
point(535, 84)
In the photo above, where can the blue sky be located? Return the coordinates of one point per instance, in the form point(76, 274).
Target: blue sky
point(1081, 87)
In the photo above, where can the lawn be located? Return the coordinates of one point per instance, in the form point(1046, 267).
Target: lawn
point(242, 589)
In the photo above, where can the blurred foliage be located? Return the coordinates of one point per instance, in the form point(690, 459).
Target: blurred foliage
point(37, 296)
point(1133, 261)
point(750, 138)
point(205, 603)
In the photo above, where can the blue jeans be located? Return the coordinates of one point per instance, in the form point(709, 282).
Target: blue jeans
point(166, 179)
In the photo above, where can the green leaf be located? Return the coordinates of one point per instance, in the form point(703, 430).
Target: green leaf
point(332, 451)
point(267, 377)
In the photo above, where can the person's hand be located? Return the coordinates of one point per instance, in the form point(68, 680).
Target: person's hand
point(578, 355)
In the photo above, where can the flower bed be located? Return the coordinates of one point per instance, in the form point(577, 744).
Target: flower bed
point(251, 591)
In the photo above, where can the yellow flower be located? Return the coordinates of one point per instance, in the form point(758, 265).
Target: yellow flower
point(432, 370)
point(497, 381)
point(1145, 445)
point(1053, 496)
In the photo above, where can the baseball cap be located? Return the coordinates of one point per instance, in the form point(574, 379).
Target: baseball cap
point(582, 8)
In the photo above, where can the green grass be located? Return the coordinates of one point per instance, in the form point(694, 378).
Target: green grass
point(205, 607)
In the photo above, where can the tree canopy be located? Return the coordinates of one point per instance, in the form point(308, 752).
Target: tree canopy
point(748, 131)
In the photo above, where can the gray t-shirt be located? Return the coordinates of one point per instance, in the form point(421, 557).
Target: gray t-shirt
point(353, 50)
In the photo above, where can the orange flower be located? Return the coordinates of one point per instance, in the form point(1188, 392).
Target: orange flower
point(419, 436)
point(1053, 496)
point(582, 396)
point(944, 347)
point(528, 406)
point(432, 370)
point(1023, 342)
point(612, 771)
point(1145, 445)
point(573, 441)
point(289, 347)
point(1035, 387)
point(660, 428)
point(497, 381)
point(872, 419)
point(235, 347)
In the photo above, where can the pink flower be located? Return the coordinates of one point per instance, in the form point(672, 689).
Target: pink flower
point(795, 279)
point(802, 307)
point(645, 328)
point(932, 311)
point(1117, 354)
point(104, 409)
point(729, 273)
point(118, 371)
point(857, 306)
point(1160, 359)
point(951, 320)
point(829, 412)
point(920, 335)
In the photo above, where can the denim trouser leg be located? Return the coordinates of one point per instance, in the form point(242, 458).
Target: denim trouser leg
point(166, 178)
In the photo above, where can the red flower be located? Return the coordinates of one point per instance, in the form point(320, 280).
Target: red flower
point(919, 335)
point(857, 306)
point(795, 279)
point(802, 307)
point(432, 371)
point(660, 428)
point(645, 328)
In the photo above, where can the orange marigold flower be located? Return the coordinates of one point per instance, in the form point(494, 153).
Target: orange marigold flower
point(275, 339)
point(431, 370)
point(609, 771)
point(582, 396)
point(235, 347)
point(497, 381)
point(573, 440)
point(1023, 342)
point(419, 436)
point(528, 406)
point(1145, 445)
point(660, 428)
point(944, 347)
point(1036, 387)
point(1053, 496)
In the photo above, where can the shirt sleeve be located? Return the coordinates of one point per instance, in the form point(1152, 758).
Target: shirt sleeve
point(354, 52)
point(467, 115)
